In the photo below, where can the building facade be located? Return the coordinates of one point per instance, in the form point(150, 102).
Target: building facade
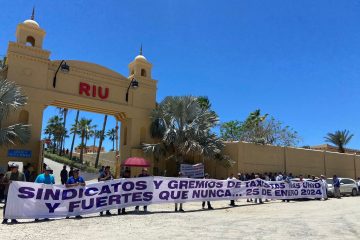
point(74, 84)
point(90, 149)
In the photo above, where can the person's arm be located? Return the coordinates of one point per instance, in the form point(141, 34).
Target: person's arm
point(104, 177)
point(37, 179)
point(69, 184)
point(82, 182)
point(6, 180)
point(53, 180)
point(23, 178)
point(101, 177)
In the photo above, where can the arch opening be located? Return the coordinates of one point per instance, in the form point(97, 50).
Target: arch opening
point(30, 41)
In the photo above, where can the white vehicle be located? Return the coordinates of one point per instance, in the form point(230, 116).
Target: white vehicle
point(347, 186)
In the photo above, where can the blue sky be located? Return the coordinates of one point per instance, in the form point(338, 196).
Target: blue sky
point(296, 60)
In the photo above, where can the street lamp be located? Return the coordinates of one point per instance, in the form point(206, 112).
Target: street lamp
point(133, 84)
point(64, 68)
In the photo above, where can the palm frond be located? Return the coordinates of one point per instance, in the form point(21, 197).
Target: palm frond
point(11, 98)
point(183, 128)
point(17, 133)
point(339, 138)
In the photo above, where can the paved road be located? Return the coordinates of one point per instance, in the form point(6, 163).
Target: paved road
point(332, 219)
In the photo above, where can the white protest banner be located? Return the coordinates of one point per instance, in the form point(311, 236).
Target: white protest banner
point(192, 171)
point(34, 200)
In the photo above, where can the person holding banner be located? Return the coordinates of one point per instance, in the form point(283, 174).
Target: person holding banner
point(126, 174)
point(258, 200)
point(105, 176)
point(74, 181)
point(13, 175)
point(144, 173)
point(324, 187)
point(45, 178)
point(287, 180)
point(208, 202)
point(231, 177)
point(176, 204)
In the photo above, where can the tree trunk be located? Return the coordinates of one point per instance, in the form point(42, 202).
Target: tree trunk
point(59, 147)
point(341, 149)
point(54, 146)
point(100, 142)
point(73, 140)
point(86, 139)
point(113, 144)
point(94, 140)
point(63, 136)
point(82, 146)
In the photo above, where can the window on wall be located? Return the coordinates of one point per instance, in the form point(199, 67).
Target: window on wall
point(30, 41)
point(143, 72)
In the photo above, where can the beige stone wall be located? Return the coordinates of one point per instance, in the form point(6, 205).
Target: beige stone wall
point(255, 158)
point(340, 164)
point(304, 161)
point(259, 158)
point(357, 166)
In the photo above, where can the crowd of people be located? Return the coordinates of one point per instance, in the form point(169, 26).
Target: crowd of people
point(72, 178)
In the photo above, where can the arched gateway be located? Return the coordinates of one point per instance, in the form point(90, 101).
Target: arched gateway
point(86, 86)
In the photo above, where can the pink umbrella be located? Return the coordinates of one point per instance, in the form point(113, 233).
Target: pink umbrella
point(136, 162)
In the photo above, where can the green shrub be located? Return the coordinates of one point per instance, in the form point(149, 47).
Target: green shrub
point(75, 164)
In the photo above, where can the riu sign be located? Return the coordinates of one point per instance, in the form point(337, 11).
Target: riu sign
point(93, 91)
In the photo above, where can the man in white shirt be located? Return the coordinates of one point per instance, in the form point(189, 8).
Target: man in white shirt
point(279, 177)
point(324, 187)
point(231, 177)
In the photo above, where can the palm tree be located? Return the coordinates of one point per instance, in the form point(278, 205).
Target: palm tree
point(252, 129)
point(11, 99)
point(90, 133)
point(82, 128)
point(102, 137)
point(204, 102)
point(339, 138)
point(182, 129)
point(111, 133)
point(96, 134)
point(56, 130)
point(255, 118)
point(63, 112)
point(74, 134)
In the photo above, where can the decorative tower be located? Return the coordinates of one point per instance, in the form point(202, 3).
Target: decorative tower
point(29, 33)
point(28, 46)
point(140, 68)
